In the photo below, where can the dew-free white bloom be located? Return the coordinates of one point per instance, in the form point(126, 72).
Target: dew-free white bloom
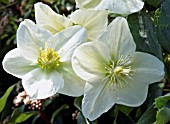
point(43, 60)
point(114, 72)
point(94, 21)
point(116, 6)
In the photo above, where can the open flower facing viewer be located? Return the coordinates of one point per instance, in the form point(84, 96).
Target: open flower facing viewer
point(114, 72)
point(43, 60)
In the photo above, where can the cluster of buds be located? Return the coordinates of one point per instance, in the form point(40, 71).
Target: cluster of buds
point(23, 97)
point(75, 115)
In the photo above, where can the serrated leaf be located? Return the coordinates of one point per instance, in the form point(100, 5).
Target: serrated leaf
point(163, 25)
point(56, 113)
point(19, 116)
point(77, 102)
point(148, 117)
point(161, 101)
point(144, 33)
point(4, 98)
point(163, 116)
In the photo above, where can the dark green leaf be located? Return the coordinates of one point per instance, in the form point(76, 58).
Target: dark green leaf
point(19, 116)
point(125, 109)
point(77, 102)
point(6, 111)
point(35, 118)
point(163, 25)
point(148, 117)
point(163, 116)
point(123, 119)
point(81, 119)
point(46, 103)
point(153, 3)
point(5, 1)
point(4, 98)
point(161, 101)
point(144, 34)
point(55, 114)
point(153, 92)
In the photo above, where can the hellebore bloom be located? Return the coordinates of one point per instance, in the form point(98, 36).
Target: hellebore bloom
point(114, 72)
point(94, 21)
point(43, 60)
point(115, 6)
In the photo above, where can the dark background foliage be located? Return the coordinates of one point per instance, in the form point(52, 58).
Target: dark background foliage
point(151, 32)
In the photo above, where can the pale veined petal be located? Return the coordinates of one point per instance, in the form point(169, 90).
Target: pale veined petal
point(120, 7)
point(73, 85)
point(40, 84)
point(97, 100)
point(30, 38)
point(92, 21)
point(147, 68)
point(133, 93)
point(49, 19)
point(89, 61)
point(14, 63)
point(119, 37)
point(67, 40)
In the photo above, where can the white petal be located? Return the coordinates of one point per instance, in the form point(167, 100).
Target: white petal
point(119, 37)
point(133, 94)
point(92, 21)
point(120, 7)
point(89, 61)
point(148, 68)
point(40, 84)
point(67, 40)
point(30, 38)
point(14, 63)
point(97, 100)
point(49, 19)
point(73, 85)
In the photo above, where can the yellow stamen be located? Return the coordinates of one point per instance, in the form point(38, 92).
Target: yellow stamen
point(49, 58)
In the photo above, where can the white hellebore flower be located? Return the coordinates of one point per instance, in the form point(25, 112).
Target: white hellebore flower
point(114, 72)
point(94, 21)
point(43, 60)
point(116, 6)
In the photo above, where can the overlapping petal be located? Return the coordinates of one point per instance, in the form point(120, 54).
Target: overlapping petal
point(119, 38)
point(15, 64)
point(89, 61)
point(73, 85)
point(92, 21)
point(40, 84)
point(30, 38)
point(120, 7)
point(71, 38)
point(49, 19)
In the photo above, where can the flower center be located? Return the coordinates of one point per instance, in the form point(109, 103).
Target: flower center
point(49, 58)
point(118, 71)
